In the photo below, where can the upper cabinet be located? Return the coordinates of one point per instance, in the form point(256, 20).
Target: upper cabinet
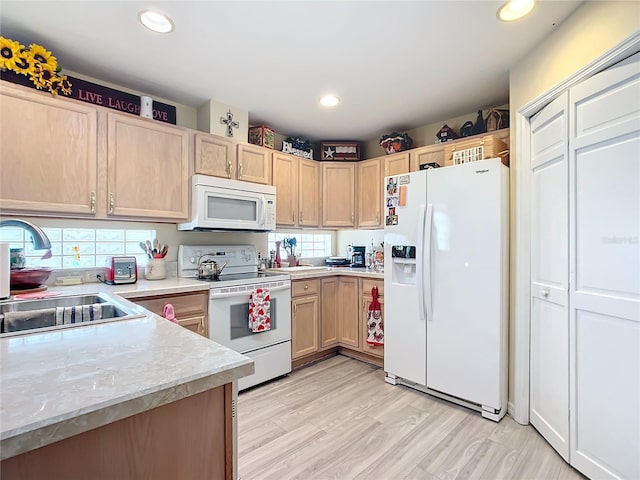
point(215, 156)
point(309, 199)
point(396, 164)
point(220, 157)
point(254, 164)
point(428, 154)
point(370, 193)
point(147, 169)
point(285, 179)
point(297, 183)
point(48, 153)
point(338, 194)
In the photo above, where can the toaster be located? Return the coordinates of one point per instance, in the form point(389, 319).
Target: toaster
point(120, 270)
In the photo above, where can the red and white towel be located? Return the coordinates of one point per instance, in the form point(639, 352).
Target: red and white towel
point(259, 310)
point(375, 324)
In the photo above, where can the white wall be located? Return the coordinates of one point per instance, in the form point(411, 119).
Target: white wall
point(592, 30)
point(361, 238)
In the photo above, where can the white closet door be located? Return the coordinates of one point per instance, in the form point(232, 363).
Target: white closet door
point(604, 192)
point(549, 378)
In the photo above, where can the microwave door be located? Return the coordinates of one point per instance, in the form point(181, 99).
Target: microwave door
point(237, 210)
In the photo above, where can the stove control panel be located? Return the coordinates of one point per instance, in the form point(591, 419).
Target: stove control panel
point(238, 258)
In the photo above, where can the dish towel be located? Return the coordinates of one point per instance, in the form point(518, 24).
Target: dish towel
point(15, 321)
point(375, 325)
point(259, 310)
point(78, 314)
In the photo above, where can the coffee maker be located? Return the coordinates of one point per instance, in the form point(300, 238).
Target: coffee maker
point(358, 257)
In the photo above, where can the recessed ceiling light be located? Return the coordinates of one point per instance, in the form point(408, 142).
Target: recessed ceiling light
point(329, 101)
point(156, 21)
point(515, 9)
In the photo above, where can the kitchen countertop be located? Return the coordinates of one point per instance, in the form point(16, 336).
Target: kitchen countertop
point(313, 272)
point(59, 383)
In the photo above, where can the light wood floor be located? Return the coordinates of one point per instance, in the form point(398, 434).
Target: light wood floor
point(339, 419)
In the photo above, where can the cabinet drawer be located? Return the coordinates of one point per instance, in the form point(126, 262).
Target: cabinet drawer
point(368, 284)
point(305, 287)
point(188, 305)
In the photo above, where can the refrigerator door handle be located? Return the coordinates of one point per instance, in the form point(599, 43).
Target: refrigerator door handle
point(427, 262)
point(422, 213)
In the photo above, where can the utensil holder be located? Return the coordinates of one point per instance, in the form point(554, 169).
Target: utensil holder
point(156, 269)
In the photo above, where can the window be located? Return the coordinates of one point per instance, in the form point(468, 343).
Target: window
point(79, 247)
point(307, 244)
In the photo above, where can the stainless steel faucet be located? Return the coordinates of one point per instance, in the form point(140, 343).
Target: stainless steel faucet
point(38, 237)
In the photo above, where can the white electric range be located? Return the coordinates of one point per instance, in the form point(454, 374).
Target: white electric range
point(229, 307)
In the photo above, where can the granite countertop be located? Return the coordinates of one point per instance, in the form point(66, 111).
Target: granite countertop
point(60, 383)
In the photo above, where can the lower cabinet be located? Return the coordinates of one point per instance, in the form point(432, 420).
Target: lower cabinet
point(305, 317)
point(349, 324)
point(365, 289)
point(190, 308)
point(332, 312)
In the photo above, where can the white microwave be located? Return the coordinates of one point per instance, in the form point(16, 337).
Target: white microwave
point(223, 204)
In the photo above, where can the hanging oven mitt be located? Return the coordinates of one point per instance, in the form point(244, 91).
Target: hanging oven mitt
point(169, 313)
point(375, 326)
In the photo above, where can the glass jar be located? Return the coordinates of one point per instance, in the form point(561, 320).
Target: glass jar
point(18, 259)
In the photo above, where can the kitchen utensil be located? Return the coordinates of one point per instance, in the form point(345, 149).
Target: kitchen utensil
point(28, 277)
point(144, 248)
point(210, 269)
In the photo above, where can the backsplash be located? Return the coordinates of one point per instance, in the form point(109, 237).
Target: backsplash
point(358, 238)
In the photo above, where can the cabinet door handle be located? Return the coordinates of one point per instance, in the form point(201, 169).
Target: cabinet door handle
point(293, 216)
point(377, 217)
point(545, 292)
point(229, 169)
point(352, 218)
point(300, 216)
point(295, 308)
point(240, 170)
point(202, 325)
point(92, 202)
point(306, 287)
point(112, 203)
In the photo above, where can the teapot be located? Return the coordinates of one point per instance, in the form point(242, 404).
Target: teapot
point(208, 269)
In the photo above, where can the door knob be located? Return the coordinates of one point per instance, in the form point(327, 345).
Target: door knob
point(545, 292)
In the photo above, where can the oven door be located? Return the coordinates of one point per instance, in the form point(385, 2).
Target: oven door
point(229, 316)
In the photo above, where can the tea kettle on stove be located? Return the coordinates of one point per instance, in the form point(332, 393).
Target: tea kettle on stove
point(209, 269)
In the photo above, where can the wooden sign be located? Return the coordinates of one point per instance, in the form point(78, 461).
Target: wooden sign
point(104, 96)
point(340, 151)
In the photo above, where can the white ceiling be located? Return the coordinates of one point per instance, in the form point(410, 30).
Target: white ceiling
point(396, 65)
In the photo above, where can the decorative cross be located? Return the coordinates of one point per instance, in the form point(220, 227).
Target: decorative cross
point(228, 121)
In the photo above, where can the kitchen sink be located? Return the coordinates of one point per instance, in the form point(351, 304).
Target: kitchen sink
point(28, 316)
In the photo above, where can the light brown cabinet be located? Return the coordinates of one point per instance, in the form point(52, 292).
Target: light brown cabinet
point(397, 164)
point(305, 317)
point(370, 207)
point(338, 194)
point(365, 292)
point(297, 183)
point(330, 311)
point(190, 309)
point(428, 154)
point(309, 198)
point(220, 157)
point(48, 153)
point(147, 168)
point(254, 164)
point(214, 155)
point(349, 319)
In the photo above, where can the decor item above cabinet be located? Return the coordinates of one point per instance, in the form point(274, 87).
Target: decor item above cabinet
point(147, 169)
point(48, 154)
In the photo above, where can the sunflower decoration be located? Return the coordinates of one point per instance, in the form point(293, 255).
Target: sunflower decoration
point(35, 62)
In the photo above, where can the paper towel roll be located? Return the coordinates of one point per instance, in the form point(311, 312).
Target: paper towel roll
point(5, 271)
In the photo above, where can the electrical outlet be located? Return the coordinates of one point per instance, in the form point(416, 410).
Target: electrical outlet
point(91, 277)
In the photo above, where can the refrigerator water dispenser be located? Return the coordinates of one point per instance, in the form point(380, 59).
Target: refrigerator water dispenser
point(403, 258)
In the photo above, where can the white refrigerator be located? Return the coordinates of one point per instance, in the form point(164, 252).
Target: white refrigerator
point(446, 258)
